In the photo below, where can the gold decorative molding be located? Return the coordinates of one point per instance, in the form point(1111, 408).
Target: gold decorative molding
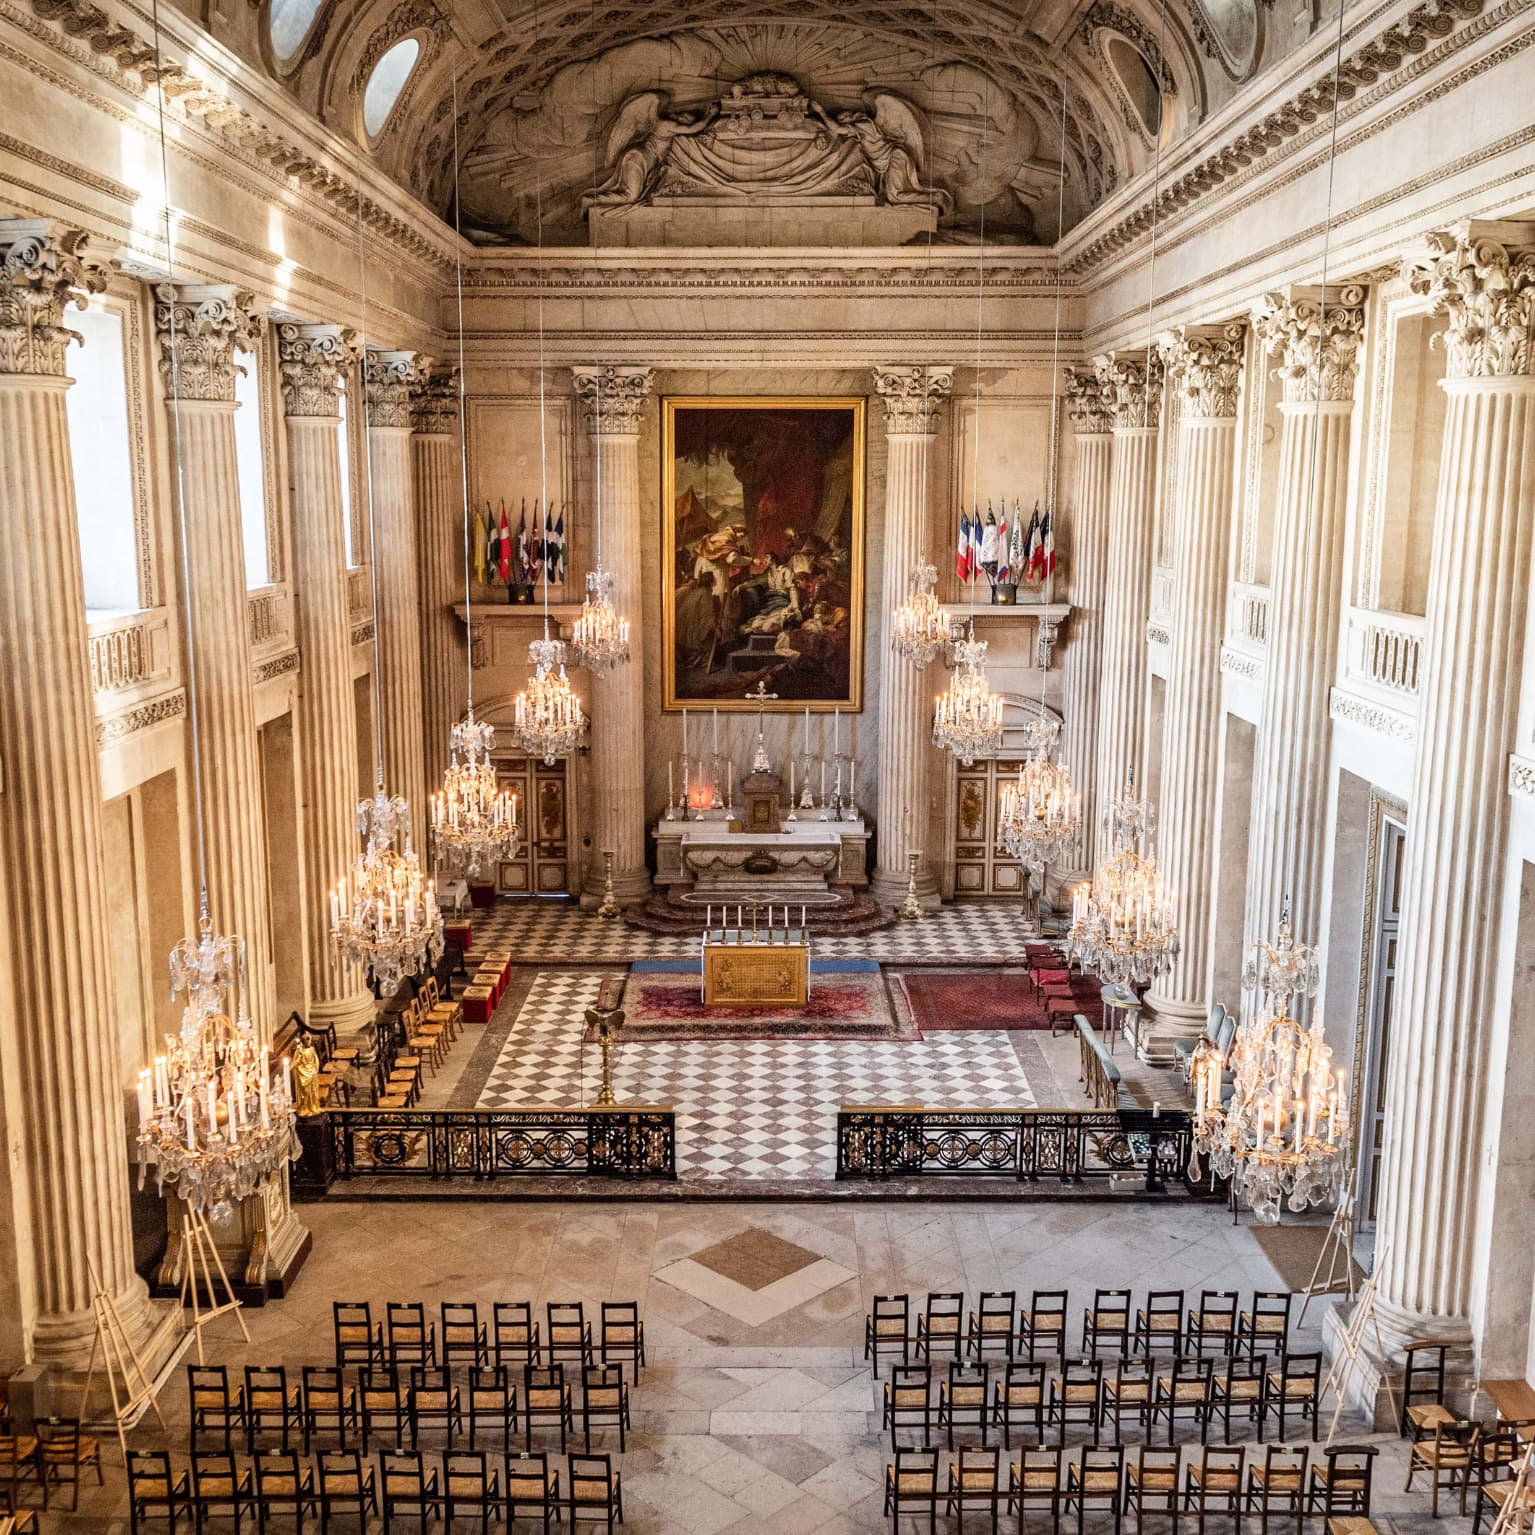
point(46, 271)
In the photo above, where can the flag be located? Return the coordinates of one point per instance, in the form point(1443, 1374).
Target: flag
point(1045, 554)
point(504, 549)
point(491, 544)
point(551, 547)
point(975, 543)
point(1017, 552)
point(1002, 548)
point(962, 552)
point(1030, 545)
point(478, 542)
point(524, 565)
point(559, 540)
point(535, 549)
point(988, 559)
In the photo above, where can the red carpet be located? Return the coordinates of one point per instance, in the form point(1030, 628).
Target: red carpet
point(966, 999)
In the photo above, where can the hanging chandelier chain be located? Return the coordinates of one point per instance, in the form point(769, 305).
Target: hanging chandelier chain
point(463, 424)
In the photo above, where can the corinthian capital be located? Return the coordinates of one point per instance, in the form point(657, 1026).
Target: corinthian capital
point(1316, 332)
point(201, 326)
point(1204, 365)
point(46, 270)
point(1132, 383)
point(313, 360)
point(1481, 276)
point(434, 401)
point(912, 397)
point(387, 381)
point(1087, 401)
point(612, 399)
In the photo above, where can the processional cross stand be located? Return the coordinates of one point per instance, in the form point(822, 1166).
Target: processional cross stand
point(760, 696)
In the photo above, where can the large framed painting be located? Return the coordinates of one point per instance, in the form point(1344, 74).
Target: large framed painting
point(762, 551)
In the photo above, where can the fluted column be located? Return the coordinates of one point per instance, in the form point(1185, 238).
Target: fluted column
point(313, 360)
point(67, 1139)
point(1317, 336)
point(437, 468)
point(612, 403)
point(1093, 422)
point(200, 329)
point(1134, 390)
point(913, 399)
point(1204, 365)
point(1434, 1165)
point(387, 379)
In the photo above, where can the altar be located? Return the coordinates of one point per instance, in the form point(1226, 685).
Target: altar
point(716, 859)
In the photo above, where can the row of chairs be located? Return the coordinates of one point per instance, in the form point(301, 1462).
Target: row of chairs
point(405, 1489)
point(1164, 1323)
point(1284, 1482)
point(1027, 1397)
point(52, 1457)
point(401, 1407)
point(1463, 1456)
point(407, 1336)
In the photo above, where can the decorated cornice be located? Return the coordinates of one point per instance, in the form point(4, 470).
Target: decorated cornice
point(612, 399)
point(1237, 663)
point(387, 380)
point(1087, 401)
point(1204, 366)
point(1317, 333)
point(913, 397)
point(434, 401)
point(313, 360)
point(1132, 385)
point(45, 271)
point(1372, 716)
point(200, 327)
point(169, 706)
point(1481, 277)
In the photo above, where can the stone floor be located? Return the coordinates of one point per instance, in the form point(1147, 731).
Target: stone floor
point(757, 1412)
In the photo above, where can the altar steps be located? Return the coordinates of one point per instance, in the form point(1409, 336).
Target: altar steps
point(852, 915)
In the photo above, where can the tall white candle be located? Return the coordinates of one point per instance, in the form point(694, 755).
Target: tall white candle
point(714, 730)
point(823, 780)
point(791, 783)
point(852, 779)
point(836, 731)
point(684, 732)
point(671, 784)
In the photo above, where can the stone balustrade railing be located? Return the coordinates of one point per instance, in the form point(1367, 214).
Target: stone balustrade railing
point(1385, 649)
point(1248, 616)
point(270, 617)
point(359, 594)
point(129, 651)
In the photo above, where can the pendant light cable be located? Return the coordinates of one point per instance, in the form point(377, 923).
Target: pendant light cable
point(463, 424)
point(362, 293)
point(1156, 206)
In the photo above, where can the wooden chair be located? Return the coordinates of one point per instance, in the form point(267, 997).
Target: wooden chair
point(1295, 1385)
point(604, 1402)
point(941, 1324)
point(911, 1486)
point(1423, 1408)
point(347, 1487)
point(596, 1491)
point(1034, 1481)
point(1448, 1458)
point(408, 1489)
point(1044, 1323)
point(1076, 1395)
point(992, 1323)
point(18, 1465)
point(284, 1485)
point(887, 1328)
point(1279, 1485)
point(434, 1404)
point(908, 1401)
point(384, 1406)
point(1213, 1321)
point(1127, 1394)
point(1107, 1320)
point(271, 1405)
point(463, 1334)
point(962, 1398)
point(1097, 1479)
point(570, 1334)
point(1341, 1485)
point(1187, 1391)
point(1266, 1324)
point(155, 1491)
point(220, 1489)
point(471, 1489)
point(215, 1410)
point(330, 1403)
point(515, 1336)
point(1159, 1323)
point(546, 1400)
point(492, 1404)
point(412, 1339)
point(532, 1489)
point(1498, 1452)
point(623, 1335)
point(1238, 1386)
point(975, 1481)
point(1213, 1485)
point(1153, 1483)
point(1019, 1400)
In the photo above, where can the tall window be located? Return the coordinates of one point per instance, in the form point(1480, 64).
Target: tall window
point(386, 82)
point(250, 463)
point(103, 465)
point(344, 442)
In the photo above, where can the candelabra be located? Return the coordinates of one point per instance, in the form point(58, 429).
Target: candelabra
point(386, 918)
point(599, 641)
point(1039, 814)
point(472, 819)
point(608, 1024)
point(967, 718)
point(610, 906)
point(911, 908)
point(211, 1118)
point(919, 628)
point(547, 717)
point(1282, 1134)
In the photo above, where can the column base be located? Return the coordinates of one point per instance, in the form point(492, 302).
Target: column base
point(262, 1247)
point(631, 887)
point(348, 1015)
point(159, 1349)
point(889, 888)
point(1380, 1360)
point(1163, 1022)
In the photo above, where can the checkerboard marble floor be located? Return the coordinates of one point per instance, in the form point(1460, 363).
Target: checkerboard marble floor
point(746, 1109)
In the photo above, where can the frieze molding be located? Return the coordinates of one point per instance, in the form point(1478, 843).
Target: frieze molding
point(200, 327)
point(1521, 775)
point(1317, 334)
point(1087, 401)
point(1481, 277)
point(595, 271)
point(913, 398)
point(1133, 385)
point(1236, 663)
point(1383, 721)
point(434, 401)
point(155, 712)
point(312, 361)
point(612, 399)
point(278, 666)
point(1157, 632)
point(1204, 368)
point(362, 634)
point(46, 270)
point(387, 380)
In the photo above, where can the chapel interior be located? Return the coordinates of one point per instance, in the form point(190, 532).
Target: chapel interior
point(767, 766)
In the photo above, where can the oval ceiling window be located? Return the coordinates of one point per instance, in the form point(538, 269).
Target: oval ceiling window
point(1235, 25)
point(1139, 84)
point(386, 82)
point(288, 26)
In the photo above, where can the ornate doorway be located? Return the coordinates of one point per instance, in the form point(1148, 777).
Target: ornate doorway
point(542, 864)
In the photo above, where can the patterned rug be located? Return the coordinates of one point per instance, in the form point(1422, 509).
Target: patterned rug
point(840, 1007)
point(938, 1000)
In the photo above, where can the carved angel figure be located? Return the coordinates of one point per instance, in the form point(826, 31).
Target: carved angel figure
point(894, 142)
point(640, 140)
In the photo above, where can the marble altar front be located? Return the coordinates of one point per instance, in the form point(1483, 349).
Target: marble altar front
point(705, 860)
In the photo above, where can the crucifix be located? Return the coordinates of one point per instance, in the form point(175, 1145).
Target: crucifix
point(760, 695)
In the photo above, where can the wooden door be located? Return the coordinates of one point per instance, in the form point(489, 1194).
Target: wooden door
point(982, 867)
point(1387, 928)
point(542, 864)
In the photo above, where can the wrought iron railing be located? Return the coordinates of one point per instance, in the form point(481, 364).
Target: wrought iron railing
point(1068, 1146)
point(626, 1141)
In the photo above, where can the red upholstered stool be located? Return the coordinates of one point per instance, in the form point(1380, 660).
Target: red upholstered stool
point(491, 978)
point(478, 1002)
point(457, 935)
point(1049, 976)
point(1062, 1012)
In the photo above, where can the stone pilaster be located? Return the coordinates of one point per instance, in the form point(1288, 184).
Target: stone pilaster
point(1481, 278)
point(1204, 366)
point(1093, 421)
point(913, 401)
point(313, 360)
point(67, 1139)
point(387, 379)
point(1316, 334)
point(1133, 383)
point(612, 403)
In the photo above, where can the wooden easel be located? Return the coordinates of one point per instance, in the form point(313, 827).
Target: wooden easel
point(1347, 1356)
point(1519, 1509)
point(1337, 1249)
point(127, 1379)
point(201, 1249)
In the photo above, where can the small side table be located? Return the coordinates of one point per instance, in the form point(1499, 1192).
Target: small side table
point(1124, 1002)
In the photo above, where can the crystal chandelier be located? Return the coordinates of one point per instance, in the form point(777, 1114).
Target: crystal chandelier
point(919, 628)
point(967, 719)
point(211, 1118)
point(1123, 925)
point(1039, 813)
point(547, 718)
point(473, 820)
point(386, 917)
point(1283, 1134)
point(599, 641)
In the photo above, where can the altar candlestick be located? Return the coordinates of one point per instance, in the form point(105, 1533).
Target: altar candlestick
point(730, 783)
point(684, 733)
point(823, 780)
point(852, 780)
point(791, 783)
point(714, 731)
point(802, 918)
point(671, 784)
point(738, 916)
point(836, 731)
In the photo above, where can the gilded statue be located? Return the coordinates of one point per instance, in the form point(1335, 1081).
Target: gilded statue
point(305, 1067)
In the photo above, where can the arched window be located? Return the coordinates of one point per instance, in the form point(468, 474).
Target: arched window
point(386, 82)
point(288, 26)
point(1139, 83)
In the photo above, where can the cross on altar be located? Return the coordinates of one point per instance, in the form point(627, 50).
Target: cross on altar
point(760, 696)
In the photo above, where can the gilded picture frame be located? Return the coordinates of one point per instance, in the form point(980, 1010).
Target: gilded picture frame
point(762, 551)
